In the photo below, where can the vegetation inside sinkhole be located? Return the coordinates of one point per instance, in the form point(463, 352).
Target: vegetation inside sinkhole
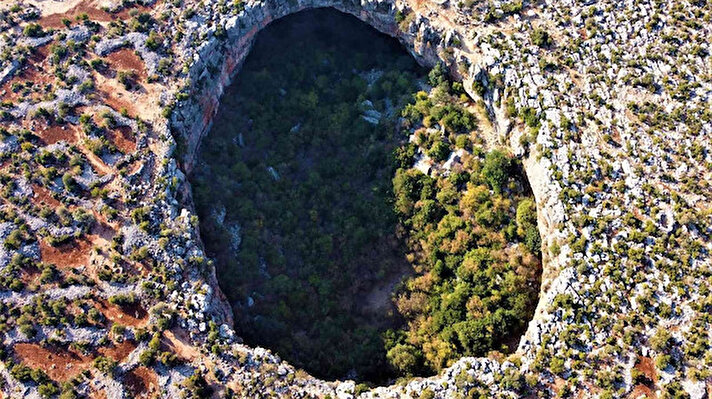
point(334, 251)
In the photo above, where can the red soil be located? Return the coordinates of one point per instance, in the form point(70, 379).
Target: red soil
point(118, 352)
point(123, 138)
point(85, 7)
point(72, 254)
point(63, 364)
point(44, 196)
point(59, 364)
point(56, 133)
point(175, 341)
point(126, 59)
point(642, 391)
point(132, 316)
point(141, 382)
point(117, 103)
point(102, 230)
point(32, 70)
point(647, 367)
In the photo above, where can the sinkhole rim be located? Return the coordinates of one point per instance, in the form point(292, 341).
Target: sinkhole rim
point(196, 156)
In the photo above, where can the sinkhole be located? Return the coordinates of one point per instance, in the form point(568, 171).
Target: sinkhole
point(359, 227)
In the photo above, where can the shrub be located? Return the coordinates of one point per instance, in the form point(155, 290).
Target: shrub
point(541, 38)
point(527, 223)
point(14, 240)
point(530, 117)
point(127, 79)
point(28, 330)
point(69, 183)
point(33, 30)
point(123, 299)
point(427, 393)
point(479, 87)
point(95, 316)
point(154, 41)
point(105, 365)
point(48, 390)
point(147, 357)
point(437, 75)
point(660, 342)
point(404, 358)
point(21, 373)
point(439, 151)
point(197, 385)
point(86, 86)
point(662, 362)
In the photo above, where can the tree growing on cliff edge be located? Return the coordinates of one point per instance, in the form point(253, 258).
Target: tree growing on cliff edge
point(496, 170)
point(527, 225)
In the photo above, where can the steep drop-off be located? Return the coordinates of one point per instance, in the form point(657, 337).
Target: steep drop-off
point(323, 169)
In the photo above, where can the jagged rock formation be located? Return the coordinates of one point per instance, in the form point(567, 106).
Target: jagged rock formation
point(608, 104)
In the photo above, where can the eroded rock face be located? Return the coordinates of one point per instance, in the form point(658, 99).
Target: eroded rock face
point(623, 131)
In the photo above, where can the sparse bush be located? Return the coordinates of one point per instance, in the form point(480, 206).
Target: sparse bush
point(541, 38)
point(33, 30)
point(105, 365)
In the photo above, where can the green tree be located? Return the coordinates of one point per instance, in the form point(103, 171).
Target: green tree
point(404, 358)
point(541, 38)
point(496, 170)
point(437, 75)
point(105, 365)
point(33, 30)
point(527, 224)
point(439, 151)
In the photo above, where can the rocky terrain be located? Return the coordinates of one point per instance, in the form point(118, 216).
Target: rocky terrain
point(105, 288)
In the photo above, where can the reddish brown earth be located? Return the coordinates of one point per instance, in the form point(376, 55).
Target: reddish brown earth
point(44, 196)
point(119, 351)
point(72, 254)
point(33, 70)
point(111, 99)
point(642, 391)
point(56, 133)
point(123, 139)
point(647, 367)
point(175, 341)
point(64, 364)
point(132, 316)
point(59, 364)
point(141, 382)
point(95, 14)
point(127, 60)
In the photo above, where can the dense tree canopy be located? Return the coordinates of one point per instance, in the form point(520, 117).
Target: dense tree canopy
point(477, 262)
point(307, 179)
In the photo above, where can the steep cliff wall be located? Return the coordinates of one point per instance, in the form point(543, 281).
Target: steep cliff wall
point(217, 62)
